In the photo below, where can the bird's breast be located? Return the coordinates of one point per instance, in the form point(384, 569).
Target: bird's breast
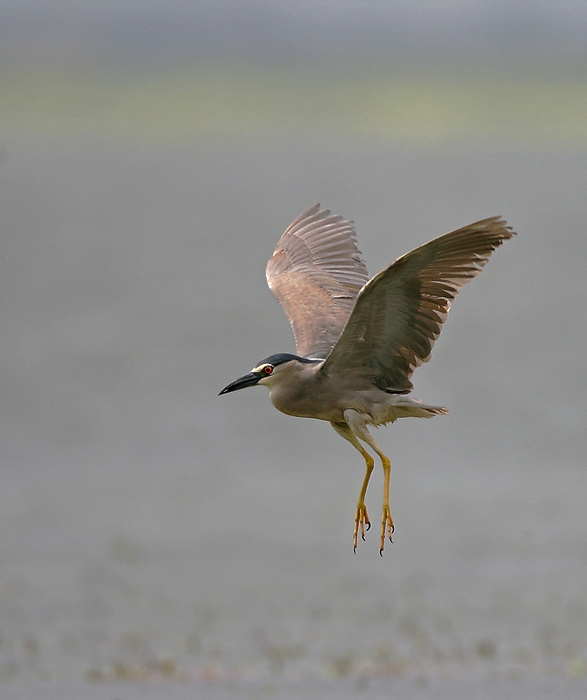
point(304, 402)
point(305, 394)
point(320, 397)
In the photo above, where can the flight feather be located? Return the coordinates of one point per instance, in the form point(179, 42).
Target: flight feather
point(316, 273)
point(399, 314)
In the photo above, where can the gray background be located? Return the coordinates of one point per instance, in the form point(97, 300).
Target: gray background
point(150, 531)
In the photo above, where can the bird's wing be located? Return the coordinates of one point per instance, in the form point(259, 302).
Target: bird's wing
point(399, 314)
point(316, 273)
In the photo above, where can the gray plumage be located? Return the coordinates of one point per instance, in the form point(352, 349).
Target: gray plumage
point(359, 340)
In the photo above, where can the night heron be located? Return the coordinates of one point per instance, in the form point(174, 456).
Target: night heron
point(358, 340)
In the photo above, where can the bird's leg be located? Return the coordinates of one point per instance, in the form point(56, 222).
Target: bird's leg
point(387, 526)
point(361, 516)
point(357, 425)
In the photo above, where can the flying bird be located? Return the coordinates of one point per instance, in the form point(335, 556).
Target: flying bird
point(359, 340)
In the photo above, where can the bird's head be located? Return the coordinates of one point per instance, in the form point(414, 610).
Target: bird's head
point(268, 372)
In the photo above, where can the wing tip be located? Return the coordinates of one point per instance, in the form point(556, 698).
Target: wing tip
point(497, 224)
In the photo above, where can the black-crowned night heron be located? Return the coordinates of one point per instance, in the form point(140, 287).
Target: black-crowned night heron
point(359, 340)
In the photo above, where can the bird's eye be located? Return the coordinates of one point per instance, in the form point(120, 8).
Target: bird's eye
point(267, 369)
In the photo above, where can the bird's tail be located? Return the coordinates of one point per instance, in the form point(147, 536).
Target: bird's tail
point(421, 410)
point(406, 407)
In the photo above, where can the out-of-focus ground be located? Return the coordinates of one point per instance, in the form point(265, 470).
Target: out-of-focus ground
point(159, 541)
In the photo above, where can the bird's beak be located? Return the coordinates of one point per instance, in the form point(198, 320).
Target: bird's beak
point(249, 379)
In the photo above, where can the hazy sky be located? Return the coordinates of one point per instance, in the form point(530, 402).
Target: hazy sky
point(376, 35)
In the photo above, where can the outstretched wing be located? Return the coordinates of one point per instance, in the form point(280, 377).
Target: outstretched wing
point(316, 273)
point(399, 314)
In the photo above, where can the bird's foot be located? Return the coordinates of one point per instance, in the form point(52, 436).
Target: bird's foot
point(361, 520)
point(387, 527)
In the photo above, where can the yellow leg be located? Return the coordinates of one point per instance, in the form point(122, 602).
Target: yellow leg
point(361, 516)
point(387, 526)
point(354, 428)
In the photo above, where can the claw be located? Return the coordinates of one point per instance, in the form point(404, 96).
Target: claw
point(361, 522)
point(387, 527)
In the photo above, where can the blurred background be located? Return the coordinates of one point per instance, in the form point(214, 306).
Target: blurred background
point(151, 154)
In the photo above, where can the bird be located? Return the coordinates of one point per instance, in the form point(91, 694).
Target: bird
point(359, 340)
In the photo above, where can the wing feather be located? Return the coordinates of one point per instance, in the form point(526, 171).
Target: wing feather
point(399, 314)
point(316, 273)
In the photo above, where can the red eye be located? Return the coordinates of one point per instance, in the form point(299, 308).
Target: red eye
point(268, 369)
